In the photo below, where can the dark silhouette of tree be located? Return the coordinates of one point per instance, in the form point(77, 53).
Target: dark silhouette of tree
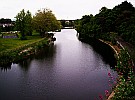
point(120, 19)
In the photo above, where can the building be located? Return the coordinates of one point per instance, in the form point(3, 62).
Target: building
point(6, 24)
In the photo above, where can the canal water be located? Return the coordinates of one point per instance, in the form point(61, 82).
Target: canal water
point(68, 70)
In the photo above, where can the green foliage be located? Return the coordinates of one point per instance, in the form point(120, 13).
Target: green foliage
point(28, 26)
point(125, 90)
point(22, 51)
point(108, 25)
point(124, 66)
point(10, 43)
point(126, 87)
point(45, 21)
point(119, 20)
point(24, 23)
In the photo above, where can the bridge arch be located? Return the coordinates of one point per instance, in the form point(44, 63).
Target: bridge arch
point(67, 23)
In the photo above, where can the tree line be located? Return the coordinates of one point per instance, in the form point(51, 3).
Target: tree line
point(42, 22)
point(109, 23)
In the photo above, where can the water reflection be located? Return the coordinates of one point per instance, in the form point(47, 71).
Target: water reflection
point(104, 50)
point(68, 70)
point(25, 64)
point(6, 67)
point(46, 52)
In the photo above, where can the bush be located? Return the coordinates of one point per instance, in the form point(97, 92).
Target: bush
point(126, 87)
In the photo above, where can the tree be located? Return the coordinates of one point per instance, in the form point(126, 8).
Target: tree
point(28, 23)
point(45, 21)
point(120, 20)
point(23, 23)
point(20, 23)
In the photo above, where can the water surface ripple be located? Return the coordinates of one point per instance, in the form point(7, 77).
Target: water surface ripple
point(68, 70)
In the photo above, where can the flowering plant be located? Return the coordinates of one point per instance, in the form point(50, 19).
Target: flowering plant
point(126, 87)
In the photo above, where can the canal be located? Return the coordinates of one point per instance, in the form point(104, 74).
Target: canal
point(68, 70)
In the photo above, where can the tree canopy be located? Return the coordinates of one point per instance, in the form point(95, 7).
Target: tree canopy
point(120, 20)
point(23, 23)
point(45, 21)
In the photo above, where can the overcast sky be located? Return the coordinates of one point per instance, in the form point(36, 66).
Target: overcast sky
point(63, 9)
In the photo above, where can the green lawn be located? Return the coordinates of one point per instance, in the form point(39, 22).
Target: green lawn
point(6, 44)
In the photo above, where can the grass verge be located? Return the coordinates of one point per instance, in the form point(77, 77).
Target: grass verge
point(13, 50)
point(6, 44)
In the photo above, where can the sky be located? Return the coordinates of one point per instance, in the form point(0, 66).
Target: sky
point(63, 9)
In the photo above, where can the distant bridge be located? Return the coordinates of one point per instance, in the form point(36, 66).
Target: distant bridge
point(67, 24)
point(68, 27)
point(67, 20)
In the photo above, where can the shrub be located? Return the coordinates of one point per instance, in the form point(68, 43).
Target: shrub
point(126, 87)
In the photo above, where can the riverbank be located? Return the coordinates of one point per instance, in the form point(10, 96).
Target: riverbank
point(120, 83)
point(117, 51)
point(12, 43)
point(114, 47)
point(16, 50)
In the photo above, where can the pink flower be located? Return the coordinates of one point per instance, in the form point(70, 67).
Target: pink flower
point(110, 85)
point(115, 82)
point(111, 77)
point(109, 74)
point(107, 93)
point(101, 97)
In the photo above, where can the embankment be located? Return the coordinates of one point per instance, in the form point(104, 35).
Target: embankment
point(23, 52)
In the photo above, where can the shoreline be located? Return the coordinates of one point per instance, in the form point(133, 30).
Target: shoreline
point(23, 52)
point(116, 52)
point(116, 49)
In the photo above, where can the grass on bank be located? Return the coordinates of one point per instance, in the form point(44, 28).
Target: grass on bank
point(10, 43)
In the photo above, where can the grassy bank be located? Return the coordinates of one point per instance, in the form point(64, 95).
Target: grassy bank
point(13, 50)
point(6, 44)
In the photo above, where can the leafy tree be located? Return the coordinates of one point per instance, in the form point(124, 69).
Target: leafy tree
point(45, 21)
point(20, 23)
point(120, 19)
point(29, 28)
point(23, 23)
